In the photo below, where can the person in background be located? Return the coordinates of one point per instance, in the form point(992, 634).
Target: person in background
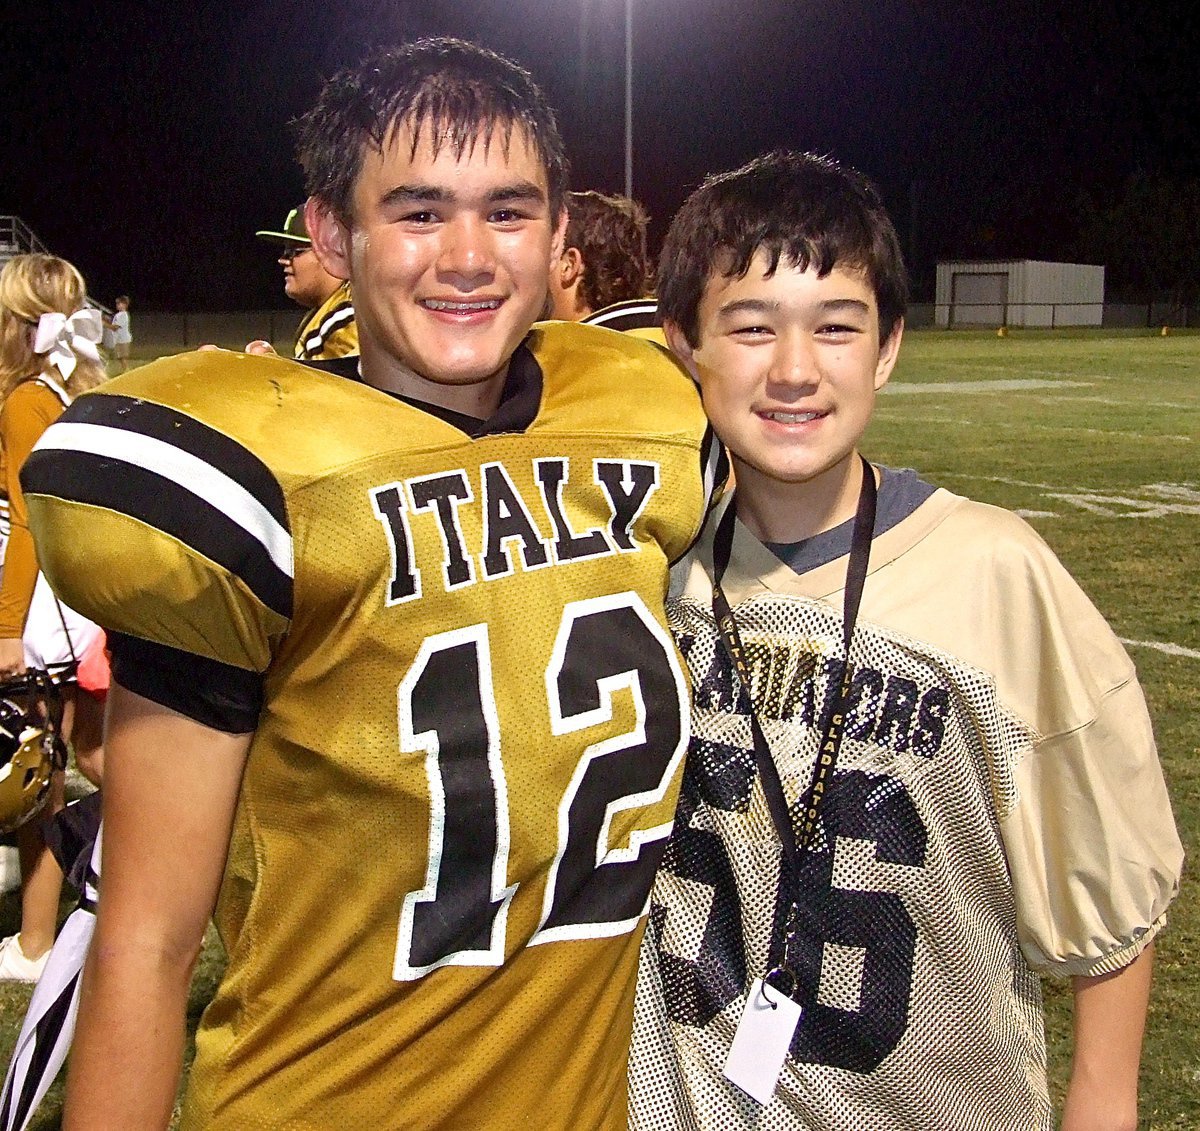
point(604, 276)
point(122, 332)
point(921, 771)
point(48, 355)
point(328, 329)
point(108, 338)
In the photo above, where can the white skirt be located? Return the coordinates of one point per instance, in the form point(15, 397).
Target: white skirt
point(54, 634)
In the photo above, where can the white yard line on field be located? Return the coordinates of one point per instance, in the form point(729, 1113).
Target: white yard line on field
point(1073, 429)
point(1013, 385)
point(1116, 402)
point(1002, 479)
point(1164, 498)
point(1169, 649)
point(1026, 427)
point(1007, 367)
point(1122, 506)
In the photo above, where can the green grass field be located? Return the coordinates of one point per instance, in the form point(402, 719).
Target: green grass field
point(1093, 436)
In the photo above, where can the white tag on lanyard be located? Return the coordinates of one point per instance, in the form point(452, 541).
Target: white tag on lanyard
point(761, 1042)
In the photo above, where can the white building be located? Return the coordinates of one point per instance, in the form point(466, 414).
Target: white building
point(1018, 292)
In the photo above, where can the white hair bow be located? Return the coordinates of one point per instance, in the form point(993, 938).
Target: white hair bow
point(64, 339)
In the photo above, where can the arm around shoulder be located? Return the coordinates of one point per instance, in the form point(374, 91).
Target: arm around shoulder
point(170, 793)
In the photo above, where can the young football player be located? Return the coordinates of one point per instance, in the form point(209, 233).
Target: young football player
point(394, 691)
point(328, 329)
point(875, 857)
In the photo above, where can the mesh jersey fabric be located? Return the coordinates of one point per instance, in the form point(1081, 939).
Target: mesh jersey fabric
point(998, 809)
point(330, 330)
point(473, 717)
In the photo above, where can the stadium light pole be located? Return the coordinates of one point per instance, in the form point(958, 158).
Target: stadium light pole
point(584, 9)
point(629, 98)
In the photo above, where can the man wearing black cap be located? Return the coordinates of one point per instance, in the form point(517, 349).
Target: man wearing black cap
point(328, 329)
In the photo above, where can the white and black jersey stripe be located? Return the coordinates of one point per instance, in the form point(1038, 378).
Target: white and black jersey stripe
point(339, 316)
point(168, 470)
point(633, 314)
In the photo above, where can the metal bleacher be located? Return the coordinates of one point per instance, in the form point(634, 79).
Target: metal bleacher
point(17, 238)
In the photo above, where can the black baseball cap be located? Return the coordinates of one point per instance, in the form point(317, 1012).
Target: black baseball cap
point(294, 231)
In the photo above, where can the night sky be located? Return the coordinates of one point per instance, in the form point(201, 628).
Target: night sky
point(147, 142)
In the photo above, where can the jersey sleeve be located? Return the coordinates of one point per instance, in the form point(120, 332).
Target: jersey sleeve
point(173, 536)
point(1091, 840)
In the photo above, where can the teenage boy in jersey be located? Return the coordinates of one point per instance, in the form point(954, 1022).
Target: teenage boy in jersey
point(394, 692)
point(978, 801)
point(604, 275)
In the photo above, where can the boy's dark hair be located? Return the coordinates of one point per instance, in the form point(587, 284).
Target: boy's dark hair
point(610, 233)
point(806, 209)
point(461, 93)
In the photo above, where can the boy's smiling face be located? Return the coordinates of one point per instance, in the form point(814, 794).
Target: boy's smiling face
point(789, 365)
point(449, 256)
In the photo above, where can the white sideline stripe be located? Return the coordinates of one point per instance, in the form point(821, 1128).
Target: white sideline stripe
point(188, 471)
point(1169, 649)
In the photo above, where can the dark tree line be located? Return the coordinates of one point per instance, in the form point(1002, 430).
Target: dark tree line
point(1147, 234)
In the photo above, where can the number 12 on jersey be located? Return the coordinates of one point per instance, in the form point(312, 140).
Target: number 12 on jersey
point(448, 711)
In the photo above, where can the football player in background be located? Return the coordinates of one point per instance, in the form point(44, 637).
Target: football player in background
point(604, 276)
point(393, 688)
point(328, 329)
point(893, 816)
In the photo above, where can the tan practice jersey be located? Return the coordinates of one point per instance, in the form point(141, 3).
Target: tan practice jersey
point(998, 809)
point(472, 714)
point(329, 331)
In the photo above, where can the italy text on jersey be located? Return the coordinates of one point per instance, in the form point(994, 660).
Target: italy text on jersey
point(626, 487)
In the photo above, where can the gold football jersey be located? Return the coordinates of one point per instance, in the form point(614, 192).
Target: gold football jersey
point(473, 716)
point(329, 331)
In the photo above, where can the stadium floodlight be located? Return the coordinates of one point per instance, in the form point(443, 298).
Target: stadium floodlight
point(629, 98)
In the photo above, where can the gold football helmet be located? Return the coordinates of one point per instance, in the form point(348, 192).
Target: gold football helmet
point(31, 746)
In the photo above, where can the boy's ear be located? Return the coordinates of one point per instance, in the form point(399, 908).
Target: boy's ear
point(330, 237)
point(888, 352)
point(681, 348)
point(570, 266)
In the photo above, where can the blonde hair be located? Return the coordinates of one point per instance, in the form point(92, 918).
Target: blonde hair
point(30, 286)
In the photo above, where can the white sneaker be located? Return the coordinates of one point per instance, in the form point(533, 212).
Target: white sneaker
point(15, 967)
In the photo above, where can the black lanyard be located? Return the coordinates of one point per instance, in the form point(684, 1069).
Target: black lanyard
point(831, 738)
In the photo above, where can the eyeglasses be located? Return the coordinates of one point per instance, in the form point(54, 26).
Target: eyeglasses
point(292, 250)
